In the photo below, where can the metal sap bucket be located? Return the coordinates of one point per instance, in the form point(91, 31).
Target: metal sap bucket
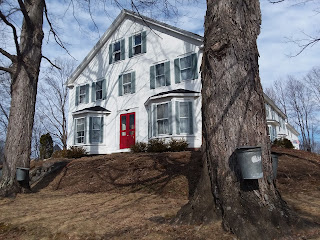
point(22, 173)
point(249, 159)
point(274, 158)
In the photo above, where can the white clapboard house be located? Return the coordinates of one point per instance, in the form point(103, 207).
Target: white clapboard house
point(140, 81)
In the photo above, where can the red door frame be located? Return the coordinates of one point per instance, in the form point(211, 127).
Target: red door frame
point(128, 134)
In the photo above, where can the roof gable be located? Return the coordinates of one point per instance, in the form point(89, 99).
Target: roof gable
point(115, 24)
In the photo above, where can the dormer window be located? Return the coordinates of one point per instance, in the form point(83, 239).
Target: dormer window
point(137, 44)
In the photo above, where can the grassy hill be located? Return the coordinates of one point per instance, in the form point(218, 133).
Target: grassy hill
point(133, 196)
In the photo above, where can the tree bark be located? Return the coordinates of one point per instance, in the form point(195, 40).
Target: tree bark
point(23, 97)
point(233, 115)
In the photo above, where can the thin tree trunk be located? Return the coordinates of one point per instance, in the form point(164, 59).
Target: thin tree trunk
point(23, 97)
point(233, 115)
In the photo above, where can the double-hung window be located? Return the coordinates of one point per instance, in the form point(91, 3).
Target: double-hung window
point(137, 44)
point(117, 51)
point(82, 94)
point(184, 117)
point(185, 68)
point(99, 90)
point(96, 129)
point(127, 83)
point(80, 131)
point(160, 75)
point(163, 118)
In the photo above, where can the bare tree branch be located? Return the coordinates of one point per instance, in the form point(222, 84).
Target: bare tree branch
point(8, 70)
point(51, 62)
point(55, 35)
point(15, 36)
point(8, 55)
point(25, 13)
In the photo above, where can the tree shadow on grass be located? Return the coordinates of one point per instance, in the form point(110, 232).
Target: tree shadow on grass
point(45, 176)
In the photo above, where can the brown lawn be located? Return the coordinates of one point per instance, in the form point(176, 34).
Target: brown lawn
point(134, 196)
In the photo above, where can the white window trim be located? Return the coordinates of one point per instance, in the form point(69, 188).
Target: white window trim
point(185, 101)
point(128, 83)
point(96, 129)
point(115, 52)
point(162, 75)
point(162, 103)
point(181, 69)
point(84, 131)
point(135, 45)
point(84, 94)
point(100, 81)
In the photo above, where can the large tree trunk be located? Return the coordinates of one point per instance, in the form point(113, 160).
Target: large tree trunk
point(233, 115)
point(23, 97)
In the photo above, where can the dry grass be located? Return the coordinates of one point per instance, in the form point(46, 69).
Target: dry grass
point(125, 196)
point(54, 215)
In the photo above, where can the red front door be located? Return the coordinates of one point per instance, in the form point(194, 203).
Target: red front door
point(127, 130)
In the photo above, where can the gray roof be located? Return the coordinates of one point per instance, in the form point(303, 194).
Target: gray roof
point(93, 109)
point(180, 90)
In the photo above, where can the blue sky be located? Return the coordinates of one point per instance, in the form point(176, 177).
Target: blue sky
point(280, 23)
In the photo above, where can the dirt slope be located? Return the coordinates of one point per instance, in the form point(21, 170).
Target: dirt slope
point(133, 196)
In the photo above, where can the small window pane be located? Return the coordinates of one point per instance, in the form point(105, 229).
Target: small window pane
point(185, 62)
point(160, 69)
point(137, 39)
point(184, 109)
point(162, 111)
point(96, 136)
point(186, 74)
point(123, 123)
point(163, 126)
point(126, 89)
point(131, 122)
point(117, 57)
point(160, 81)
point(96, 121)
point(184, 125)
point(127, 78)
point(116, 46)
point(99, 85)
point(137, 49)
point(83, 89)
point(98, 95)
